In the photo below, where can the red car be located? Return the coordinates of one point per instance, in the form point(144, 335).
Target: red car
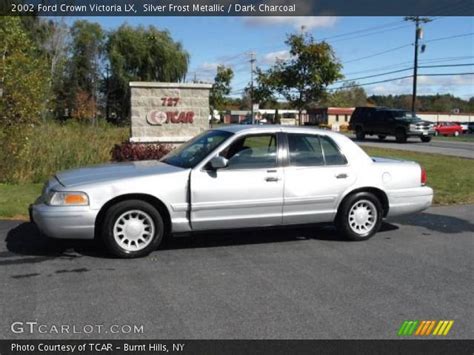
point(448, 129)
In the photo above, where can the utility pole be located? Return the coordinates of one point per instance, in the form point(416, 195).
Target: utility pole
point(418, 35)
point(107, 81)
point(252, 69)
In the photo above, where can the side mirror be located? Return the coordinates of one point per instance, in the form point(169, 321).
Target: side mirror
point(218, 162)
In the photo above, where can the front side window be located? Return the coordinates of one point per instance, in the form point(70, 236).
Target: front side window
point(252, 152)
point(193, 152)
point(313, 150)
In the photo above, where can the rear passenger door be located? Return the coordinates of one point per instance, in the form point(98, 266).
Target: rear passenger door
point(315, 175)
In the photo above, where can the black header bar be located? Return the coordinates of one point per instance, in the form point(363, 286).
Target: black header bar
point(237, 7)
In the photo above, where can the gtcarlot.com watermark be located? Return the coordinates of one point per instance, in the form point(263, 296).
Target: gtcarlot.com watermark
point(33, 327)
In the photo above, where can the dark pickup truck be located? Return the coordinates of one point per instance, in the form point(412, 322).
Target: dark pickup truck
point(383, 122)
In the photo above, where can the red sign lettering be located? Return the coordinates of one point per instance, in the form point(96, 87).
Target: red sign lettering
point(158, 118)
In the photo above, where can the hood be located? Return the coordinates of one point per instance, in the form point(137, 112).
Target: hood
point(113, 171)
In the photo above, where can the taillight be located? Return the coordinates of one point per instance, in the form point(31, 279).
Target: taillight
point(423, 176)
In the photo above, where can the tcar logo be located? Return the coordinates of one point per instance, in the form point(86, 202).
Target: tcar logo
point(158, 118)
point(425, 327)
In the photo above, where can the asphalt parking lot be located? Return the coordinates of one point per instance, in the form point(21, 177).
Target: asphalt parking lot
point(452, 148)
point(285, 283)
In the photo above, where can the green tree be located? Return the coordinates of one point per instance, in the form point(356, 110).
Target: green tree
point(141, 54)
point(84, 65)
point(220, 88)
point(262, 92)
point(304, 77)
point(350, 95)
point(24, 77)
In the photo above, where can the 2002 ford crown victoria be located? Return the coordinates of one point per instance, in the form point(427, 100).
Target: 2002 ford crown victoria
point(232, 177)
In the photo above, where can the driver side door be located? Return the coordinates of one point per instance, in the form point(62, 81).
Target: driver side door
point(246, 193)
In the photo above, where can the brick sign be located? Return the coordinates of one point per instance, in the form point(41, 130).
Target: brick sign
point(168, 112)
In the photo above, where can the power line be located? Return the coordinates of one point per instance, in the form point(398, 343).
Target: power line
point(406, 69)
point(446, 65)
point(449, 37)
point(447, 74)
point(408, 45)
point(375, 75)
point(378, 53)
point(400, 78)
point(391, 24)
point(373, 82)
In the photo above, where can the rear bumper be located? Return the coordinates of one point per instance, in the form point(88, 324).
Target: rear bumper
point(406, 201)
point(64, 222)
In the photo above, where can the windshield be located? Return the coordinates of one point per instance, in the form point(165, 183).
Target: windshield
point(405, 115)
point(191, 153)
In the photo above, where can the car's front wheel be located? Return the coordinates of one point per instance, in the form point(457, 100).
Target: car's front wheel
point(360, 216)
point(132, 229)
point(425, 139)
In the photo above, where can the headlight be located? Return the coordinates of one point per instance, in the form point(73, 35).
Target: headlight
point(412, 126)
point(55, 198)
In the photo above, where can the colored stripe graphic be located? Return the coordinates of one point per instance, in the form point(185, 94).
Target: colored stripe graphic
point(425, 327)
point(408, 327)
point(428, 331)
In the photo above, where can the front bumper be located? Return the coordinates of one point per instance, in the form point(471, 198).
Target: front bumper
point(406, 201)
point(421, 132)
point(64, 222)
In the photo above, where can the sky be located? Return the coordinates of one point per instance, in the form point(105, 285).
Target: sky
point(366, 46)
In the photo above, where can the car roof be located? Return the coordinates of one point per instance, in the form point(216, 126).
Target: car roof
point(272, 128)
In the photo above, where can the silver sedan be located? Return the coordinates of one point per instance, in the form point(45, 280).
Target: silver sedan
point(232, 177)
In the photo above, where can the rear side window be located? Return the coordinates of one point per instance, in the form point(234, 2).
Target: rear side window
point(313, 150)
point(305, 150)
point(332, 155)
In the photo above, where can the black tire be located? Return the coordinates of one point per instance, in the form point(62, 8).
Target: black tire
point(425, 139)
point(118, 210)
point(360, 134)
point(342, 220)
point(381, 137)
point(401, 136)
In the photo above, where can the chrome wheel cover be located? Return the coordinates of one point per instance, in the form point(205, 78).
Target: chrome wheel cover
point(134, 230)
point(362, 217)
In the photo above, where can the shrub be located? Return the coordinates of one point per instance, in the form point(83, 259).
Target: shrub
point(139, 151)
point(344, 127)
point(32, 153)
point(324, 126)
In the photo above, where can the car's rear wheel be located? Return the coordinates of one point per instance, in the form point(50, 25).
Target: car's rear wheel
point(359, 216)
point(425, 139)
point(382, 137)
point(360, 134)
point(132, 228)
point(401, 136)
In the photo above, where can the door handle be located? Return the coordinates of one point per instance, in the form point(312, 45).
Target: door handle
point(341, 176)
point(271, 179)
